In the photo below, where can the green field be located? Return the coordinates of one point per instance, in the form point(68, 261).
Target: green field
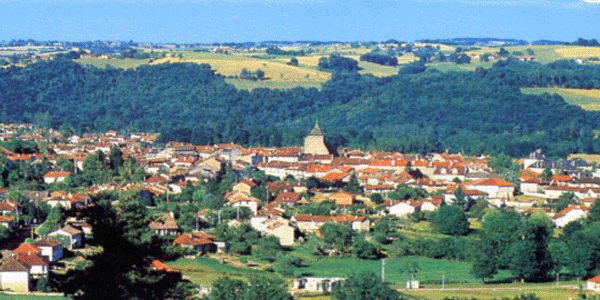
point(586, 99)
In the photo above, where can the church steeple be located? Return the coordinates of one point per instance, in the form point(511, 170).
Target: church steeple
point(317, 130)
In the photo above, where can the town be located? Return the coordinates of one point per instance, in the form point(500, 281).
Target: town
point(209, 200)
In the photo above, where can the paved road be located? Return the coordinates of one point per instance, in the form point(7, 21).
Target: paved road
point(515, 288)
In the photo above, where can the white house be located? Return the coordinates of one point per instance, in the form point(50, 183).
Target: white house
point(51, 249)
point(494, 187)
point(316, 284)
point(402, 209)
point(14, 276)
point(75, 236)
point(53, 177)
point(38, 267)
point(593, 284)
point(571, 213)
point(278, 227)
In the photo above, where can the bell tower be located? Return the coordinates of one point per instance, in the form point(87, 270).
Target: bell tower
point(314, 143)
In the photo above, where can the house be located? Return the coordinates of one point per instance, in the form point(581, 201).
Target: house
point(342, 198)
point(51, 249)
point(244, 186)
point(316, 284)
point(54, 177)
point(27, 248)
point(75, 236)
point(242, 200)
point(593, 284)
point(166, 225)
point(291, 198)
point(10, 207)
point(277, 227)
point(199, 241)
point(7, 221)
point(158, 265)
point(14, 276)
point(310, 223)
point(38, 266)
point(494, 187)
point(402, 209)
point(571, 213)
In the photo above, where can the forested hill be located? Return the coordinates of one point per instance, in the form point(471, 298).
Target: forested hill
point(473, 112)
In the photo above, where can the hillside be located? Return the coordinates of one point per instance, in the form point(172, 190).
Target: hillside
point(473, 112)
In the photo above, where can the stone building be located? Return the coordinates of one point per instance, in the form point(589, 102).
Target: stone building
point(314, 143)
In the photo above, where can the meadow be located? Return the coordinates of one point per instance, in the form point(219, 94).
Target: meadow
point(4, 296)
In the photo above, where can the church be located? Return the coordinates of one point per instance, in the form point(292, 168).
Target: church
point(315, 144)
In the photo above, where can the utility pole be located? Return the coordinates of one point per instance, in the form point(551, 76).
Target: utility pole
point(383, 270)
point(442, 282)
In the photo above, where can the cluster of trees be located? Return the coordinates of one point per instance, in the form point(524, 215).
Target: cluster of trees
point(585, 42)
point(250, 75)
point(419, 110)
point(338, 63)
point(279, 51)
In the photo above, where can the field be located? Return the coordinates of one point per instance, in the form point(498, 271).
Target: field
point(205, 271)
point(127, 63)
point(586, 99)
point(578, 51)
point(4, 296)
point(590, 158)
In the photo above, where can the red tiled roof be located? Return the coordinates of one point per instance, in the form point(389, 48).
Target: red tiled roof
point(32, 259)
point(11, 264)
point(569, 208)
point(288, 197)
point(159, 266)
point(194, 239)
point(27, 248)
point(595, 279)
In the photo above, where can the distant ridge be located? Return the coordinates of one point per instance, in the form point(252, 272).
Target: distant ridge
point(476, 41)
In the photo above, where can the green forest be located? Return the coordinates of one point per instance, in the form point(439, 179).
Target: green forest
point(419, 110)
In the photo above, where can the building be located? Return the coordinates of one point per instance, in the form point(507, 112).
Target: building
point(316, 284)
point(314, 143)
point(74, 235)
point(51, 249)
point(14, 276)
point(593, 284)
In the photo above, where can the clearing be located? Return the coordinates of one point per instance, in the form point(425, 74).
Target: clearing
point(586, 99)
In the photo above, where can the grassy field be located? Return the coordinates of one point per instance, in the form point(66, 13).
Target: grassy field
point(4, 296)
point(127, 63)
point(586, 99)
point(478, 293)
point(578, 51)
point(282, 85)
point(205, 271)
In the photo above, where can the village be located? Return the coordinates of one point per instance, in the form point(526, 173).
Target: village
point(361, 186)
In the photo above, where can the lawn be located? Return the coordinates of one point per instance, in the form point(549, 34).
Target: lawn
point(586, 99)
point(541, 290)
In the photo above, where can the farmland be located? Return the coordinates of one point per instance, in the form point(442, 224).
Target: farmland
point(586, 99)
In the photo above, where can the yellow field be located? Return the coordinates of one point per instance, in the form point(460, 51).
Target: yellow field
point(590, 158)
point(586, 99)
point(231, 65)
point(578, 51)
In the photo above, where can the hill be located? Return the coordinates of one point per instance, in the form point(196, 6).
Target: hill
point(473, 112)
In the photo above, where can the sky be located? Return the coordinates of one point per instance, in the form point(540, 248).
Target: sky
point(207, 21)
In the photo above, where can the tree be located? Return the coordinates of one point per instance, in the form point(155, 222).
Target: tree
point(364, 286)
point(593, 214)
point(267, 248)
point(115, 158)
point(293, 62)
point(410, 268)
point(503, 52)
point(353, 186)
point(53, 221)
point(257, 288)
point(459, 197)
point(337, 236)
point(451, 220)
point(365, 250)
point(501, 228)
point(547, 174)
point(531, 257)
point(376, 198)
point(485, 263)
point(286, 263)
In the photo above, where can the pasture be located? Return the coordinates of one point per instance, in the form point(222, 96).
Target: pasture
point(4, 296)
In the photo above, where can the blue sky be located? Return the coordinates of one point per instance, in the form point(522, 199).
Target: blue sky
point(188, 21)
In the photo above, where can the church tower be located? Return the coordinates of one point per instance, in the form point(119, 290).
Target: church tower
point(314, 143)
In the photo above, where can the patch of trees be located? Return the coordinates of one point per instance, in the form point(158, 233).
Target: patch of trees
point(382, 59)
point(279, 51)
point(419, 110)
point(338, 63)
point(250, 75)
point(585, 42)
